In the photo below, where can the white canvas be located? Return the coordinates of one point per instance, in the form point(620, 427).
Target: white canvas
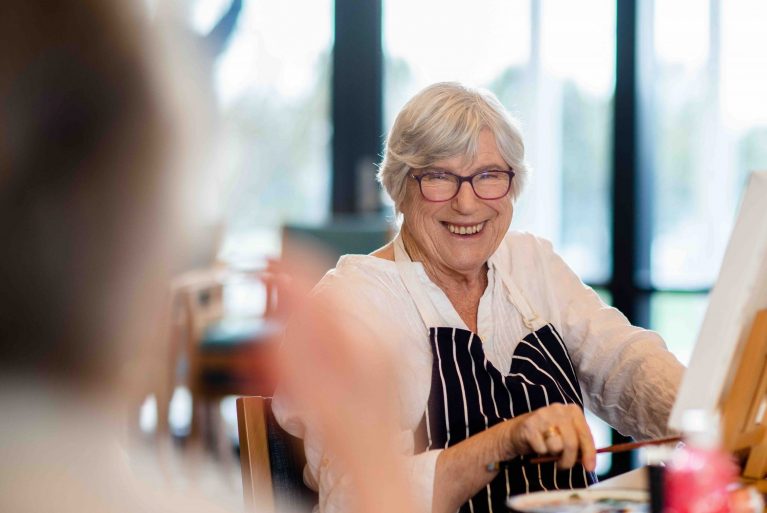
point(739, 292)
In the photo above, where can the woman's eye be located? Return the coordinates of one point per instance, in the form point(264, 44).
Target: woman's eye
point(437, 177)
point(489, 175)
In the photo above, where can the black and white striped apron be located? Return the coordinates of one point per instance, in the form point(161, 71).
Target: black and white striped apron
point(469, 394)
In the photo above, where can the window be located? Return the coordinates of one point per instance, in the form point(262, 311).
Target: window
point(272, 85)
point(676, 315)
point(708, 120)
point(707, 125)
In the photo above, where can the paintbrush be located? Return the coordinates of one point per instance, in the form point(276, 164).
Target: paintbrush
point(614, 448)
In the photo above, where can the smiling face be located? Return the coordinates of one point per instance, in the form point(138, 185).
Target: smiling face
point(459, 235)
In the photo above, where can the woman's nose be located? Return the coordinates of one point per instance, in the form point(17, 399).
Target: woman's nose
point(465, 201)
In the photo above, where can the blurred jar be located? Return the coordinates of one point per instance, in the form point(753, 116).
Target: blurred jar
point(699, 473)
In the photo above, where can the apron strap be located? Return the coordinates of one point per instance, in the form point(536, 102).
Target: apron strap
point(409, 274)
point(530, 317)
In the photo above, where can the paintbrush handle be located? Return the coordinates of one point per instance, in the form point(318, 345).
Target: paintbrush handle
point(614, 448)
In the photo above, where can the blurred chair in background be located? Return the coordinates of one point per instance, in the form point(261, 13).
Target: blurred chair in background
point(216, 354)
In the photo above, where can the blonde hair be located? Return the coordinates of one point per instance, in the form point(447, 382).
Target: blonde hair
point(442, 121)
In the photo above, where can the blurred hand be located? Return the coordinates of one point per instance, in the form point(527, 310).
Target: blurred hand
point(333, 370)
point(556, 429)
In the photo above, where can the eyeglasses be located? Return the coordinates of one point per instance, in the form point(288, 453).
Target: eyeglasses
point(444, 186)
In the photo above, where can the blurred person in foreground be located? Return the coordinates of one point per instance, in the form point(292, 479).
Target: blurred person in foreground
point(91, 148)
point(97, 140)
point(338, 378)
point(499, 345)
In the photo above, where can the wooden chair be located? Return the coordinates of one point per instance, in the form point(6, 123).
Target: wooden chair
point(272, 461)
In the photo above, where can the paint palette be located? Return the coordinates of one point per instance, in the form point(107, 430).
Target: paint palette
point(582, 501)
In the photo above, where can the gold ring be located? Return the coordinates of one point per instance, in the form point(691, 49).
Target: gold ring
point(552, 431)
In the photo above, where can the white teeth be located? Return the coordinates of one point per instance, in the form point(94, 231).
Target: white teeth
point(466, 230)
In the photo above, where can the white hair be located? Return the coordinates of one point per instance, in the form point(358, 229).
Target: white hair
point(442, 121)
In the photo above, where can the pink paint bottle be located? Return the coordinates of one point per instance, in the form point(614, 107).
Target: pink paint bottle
point(699, 472)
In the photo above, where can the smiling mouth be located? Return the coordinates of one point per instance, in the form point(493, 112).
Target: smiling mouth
point(463, 229)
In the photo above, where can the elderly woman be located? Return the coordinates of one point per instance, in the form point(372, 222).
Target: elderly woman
point(500, 346)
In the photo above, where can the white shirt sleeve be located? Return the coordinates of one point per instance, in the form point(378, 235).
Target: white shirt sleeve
point(627, 375)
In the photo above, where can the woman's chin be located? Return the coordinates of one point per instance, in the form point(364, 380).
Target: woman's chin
point(469, 251)
point(466, 263)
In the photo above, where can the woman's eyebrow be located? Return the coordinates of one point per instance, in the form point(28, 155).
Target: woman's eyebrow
point(437, 169)
point(495, 166)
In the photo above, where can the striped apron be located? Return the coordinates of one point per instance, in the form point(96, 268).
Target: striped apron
point(469, 394)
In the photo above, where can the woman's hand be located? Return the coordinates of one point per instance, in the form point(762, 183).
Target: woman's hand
point(464, 468)
point(333, 372)
point(556, 429)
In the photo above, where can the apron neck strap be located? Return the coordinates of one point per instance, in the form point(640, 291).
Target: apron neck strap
point(530, 317)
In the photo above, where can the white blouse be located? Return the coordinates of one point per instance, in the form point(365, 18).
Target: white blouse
point(626, 374)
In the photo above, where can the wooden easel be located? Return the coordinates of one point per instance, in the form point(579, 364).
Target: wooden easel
point(744, 407)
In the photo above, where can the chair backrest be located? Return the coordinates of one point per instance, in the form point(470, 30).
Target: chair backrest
point(272, 461)
point(205, 305)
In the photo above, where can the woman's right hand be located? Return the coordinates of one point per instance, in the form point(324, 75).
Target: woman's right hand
point(557, 429)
